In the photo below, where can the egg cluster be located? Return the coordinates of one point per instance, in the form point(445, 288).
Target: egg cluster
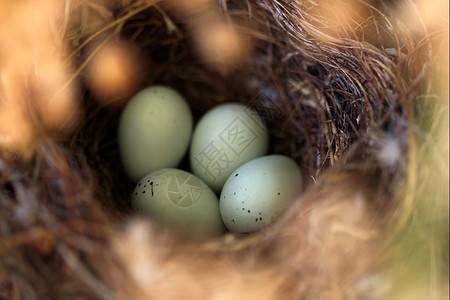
point(228, 157)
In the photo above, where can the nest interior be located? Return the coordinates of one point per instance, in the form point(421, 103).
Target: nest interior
point(338, 87)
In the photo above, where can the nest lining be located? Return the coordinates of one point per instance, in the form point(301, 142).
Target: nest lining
point(333, 104)
point(316, 105)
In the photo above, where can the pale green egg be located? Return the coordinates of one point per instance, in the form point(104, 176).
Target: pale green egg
point(179, 200)
point(154, 131)
point(258, 191)
point(226, 137)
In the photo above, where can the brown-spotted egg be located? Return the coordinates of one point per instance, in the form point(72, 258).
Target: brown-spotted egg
point(258, 191)
point(179, 200)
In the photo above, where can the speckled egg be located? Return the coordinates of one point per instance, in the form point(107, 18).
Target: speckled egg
point(179, 200)
point(154, 131)
point(226, 137)
point(258, 191)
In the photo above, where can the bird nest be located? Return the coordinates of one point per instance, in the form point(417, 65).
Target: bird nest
point(353, 91)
